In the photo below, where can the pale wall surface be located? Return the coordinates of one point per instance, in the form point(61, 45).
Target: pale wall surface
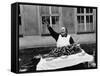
point(38, 41)
point(29, 17)
point(68, 18)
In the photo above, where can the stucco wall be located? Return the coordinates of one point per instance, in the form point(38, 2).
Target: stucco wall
point(94, 13)
point(47, 41)
point(68, 18)
point(30, 28)
point(29, 20)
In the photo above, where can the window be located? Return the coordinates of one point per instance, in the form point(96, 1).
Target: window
point(45, 18)
point(51, 15)
point(84, 20)
point(80, 19)
point(89, 19)
point(55, 20)
point(89, 10)
point(80, 10)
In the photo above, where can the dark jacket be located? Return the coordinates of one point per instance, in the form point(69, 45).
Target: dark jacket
point(55, 35)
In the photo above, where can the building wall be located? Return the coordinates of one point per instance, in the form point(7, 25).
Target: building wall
point(94, 20)
point(68, 18)
point(31, 25)
point(48, 41)
point(31, 22)
point(29, 17)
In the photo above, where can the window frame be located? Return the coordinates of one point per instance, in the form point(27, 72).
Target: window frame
point(83, 14)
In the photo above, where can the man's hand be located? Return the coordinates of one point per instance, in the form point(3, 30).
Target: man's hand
point(46, 23)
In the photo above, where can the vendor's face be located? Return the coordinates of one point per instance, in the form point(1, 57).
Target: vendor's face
point(63, 31)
